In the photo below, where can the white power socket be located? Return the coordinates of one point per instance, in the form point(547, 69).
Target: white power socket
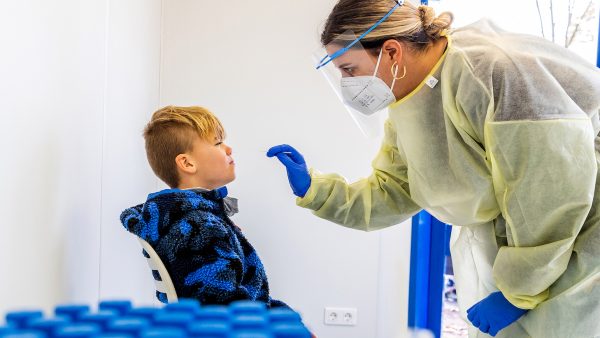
point(347, 316)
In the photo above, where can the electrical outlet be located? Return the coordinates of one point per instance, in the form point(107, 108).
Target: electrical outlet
point(347, 316)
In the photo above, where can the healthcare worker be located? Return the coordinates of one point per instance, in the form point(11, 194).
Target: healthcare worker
point(493, 132)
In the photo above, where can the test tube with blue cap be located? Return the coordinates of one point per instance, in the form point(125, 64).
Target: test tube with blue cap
point(49, 325)
point(4, 330)
point(284, 316)
point(164, 333)
point(114, 335)
point(174, 320)
point(126, 325)
point(183, 305)
point(100, 318)
point(249, 322)
point(71, 311)
point(120, 306)
point(78, 331)
point(213, 313)
point(144, 312)
point(25, 334)
point(208, 329)
point(252, 334)
point(20, 319)
point(242, 307)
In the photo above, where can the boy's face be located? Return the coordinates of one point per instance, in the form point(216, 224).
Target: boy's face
point(213, 165)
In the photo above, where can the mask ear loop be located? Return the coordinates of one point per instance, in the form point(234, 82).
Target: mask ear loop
point(378, 61)
point(394, 70)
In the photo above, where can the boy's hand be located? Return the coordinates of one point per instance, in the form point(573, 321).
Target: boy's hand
point(494, 313)
point(295, 165)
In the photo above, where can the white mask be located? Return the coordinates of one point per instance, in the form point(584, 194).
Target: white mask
point(367, 94)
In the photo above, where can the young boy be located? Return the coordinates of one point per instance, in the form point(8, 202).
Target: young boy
point(207, 256)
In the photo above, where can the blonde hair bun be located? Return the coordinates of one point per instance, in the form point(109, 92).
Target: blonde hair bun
point(434, 26)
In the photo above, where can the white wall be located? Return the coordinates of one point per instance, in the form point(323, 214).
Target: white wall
point(132, 95)
point(250, 63)
point(78, 80)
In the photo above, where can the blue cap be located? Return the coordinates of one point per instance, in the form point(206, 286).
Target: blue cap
point(126, 325)
point(25, 334)
point(284, 316)
point(251, 334)
point(209, 329)
point(163, 333)
point(250, 322)
point(247, 307)
point(213, 312)
point(20, 319)
point(173, 320)
point(71, 311)
point(100, 318)
point(184, 305)
point(78, 331)
point(121, 306)
point(49, 325)
point(144, 312)
point(7, 329)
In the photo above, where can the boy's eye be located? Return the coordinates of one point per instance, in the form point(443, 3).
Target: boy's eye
point(218, 143)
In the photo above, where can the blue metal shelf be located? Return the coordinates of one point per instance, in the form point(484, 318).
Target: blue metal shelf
point(429, 248)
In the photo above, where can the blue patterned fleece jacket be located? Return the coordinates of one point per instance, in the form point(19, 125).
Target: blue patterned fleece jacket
point(207, 256)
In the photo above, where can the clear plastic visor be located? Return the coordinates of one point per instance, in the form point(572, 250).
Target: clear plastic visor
point(350, 66)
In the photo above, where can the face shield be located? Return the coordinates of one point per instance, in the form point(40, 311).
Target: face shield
point(352, 72)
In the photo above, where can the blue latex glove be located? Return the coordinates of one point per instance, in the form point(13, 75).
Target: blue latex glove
point(295, 165)
point(494, 313)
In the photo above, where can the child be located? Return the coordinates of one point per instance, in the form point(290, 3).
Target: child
point(207, 256)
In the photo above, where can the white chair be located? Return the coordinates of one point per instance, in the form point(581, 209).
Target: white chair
point(162, 280)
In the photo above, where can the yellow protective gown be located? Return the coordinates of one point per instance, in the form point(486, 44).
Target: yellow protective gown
point(505, 146)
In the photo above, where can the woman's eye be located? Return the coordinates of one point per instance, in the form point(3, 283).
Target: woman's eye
point(348, 70)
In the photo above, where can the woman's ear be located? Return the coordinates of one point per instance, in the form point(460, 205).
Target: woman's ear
point(185, 164)
point(393, 49)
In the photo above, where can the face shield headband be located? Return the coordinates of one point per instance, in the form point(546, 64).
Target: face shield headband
point(328, 58)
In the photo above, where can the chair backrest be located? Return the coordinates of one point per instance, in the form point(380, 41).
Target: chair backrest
point(162, 280)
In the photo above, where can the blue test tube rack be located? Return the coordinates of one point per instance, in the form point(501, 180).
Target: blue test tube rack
point(186, 318)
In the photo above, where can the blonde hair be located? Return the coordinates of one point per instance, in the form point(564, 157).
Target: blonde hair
point(171, 131)
point(418, 26)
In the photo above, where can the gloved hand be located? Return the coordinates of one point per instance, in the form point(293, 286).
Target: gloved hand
point(494, 313)
point(295, 165)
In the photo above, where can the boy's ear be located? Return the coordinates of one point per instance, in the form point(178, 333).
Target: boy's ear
point(185, 164)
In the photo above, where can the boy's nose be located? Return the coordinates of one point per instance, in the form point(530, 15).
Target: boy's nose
point(228, 150)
